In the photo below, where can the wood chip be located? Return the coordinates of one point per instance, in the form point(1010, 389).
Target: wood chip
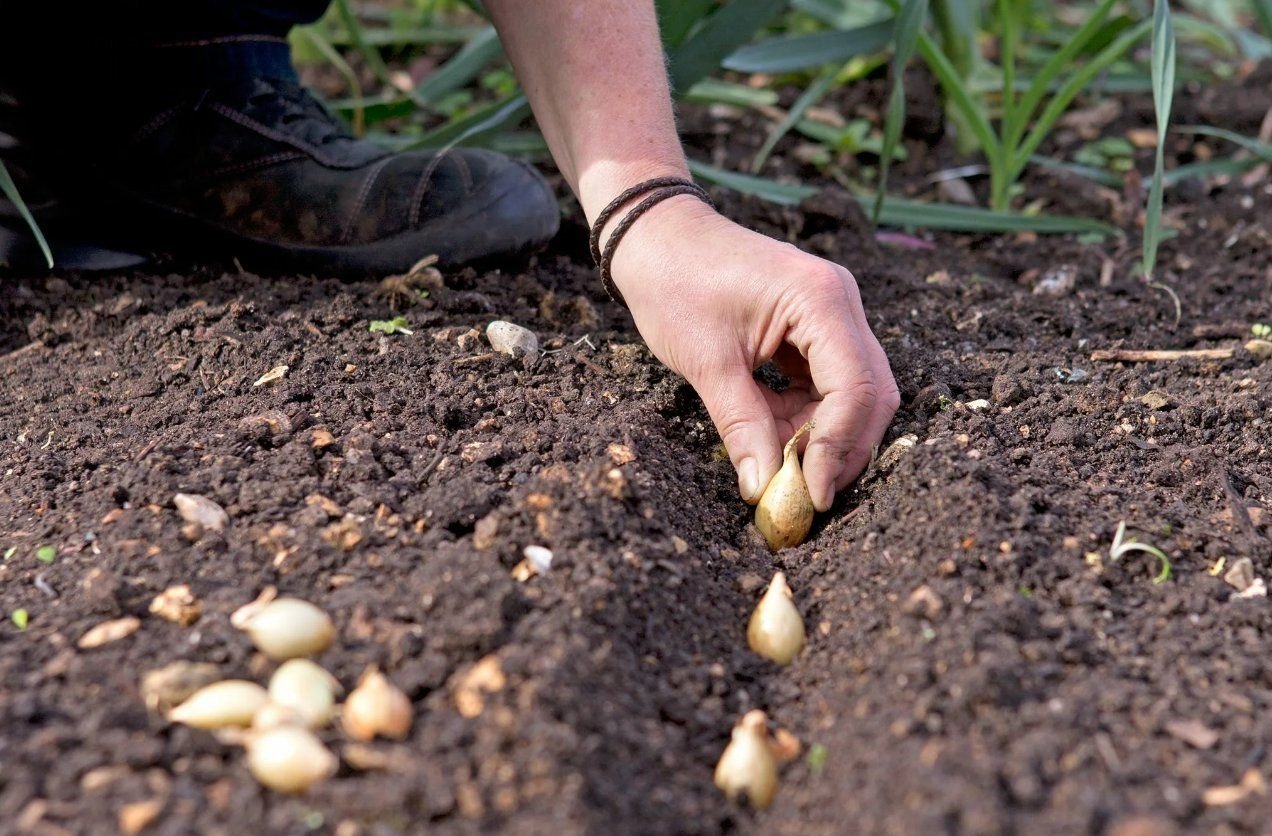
point(276, 373)
point(109, 631)
point(1251, 783)
point(1130, 355)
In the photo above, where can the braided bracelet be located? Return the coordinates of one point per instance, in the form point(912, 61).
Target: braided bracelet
point(661, 188)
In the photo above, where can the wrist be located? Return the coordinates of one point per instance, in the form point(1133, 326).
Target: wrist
point(603, 181)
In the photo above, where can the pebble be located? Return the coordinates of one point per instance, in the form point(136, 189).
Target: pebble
point(509, 338)
point(201, 511)
point(1057, 282)
point(1240, 576)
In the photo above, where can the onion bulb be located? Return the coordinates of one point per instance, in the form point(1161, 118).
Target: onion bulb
point(286, 628)
point(776, 629)
point(289, 758)
point(231, 702)
point(747, 765)
point(376, 706)
point(305, 688)
point(784, 513)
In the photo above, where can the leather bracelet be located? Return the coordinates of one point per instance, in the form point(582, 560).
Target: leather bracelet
point(661, 188)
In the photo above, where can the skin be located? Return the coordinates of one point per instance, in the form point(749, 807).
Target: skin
point(713, 300)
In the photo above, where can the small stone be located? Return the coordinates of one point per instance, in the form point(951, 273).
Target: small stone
point(1261, 349)
point(1155, 400)
point(896, 450)
point(485, 532)
point(1057, 282)
point(178, 605)
point(201, 511)
point(136, 817)
point(320, 439)
point(109, 631)
point(620, 454)
point(540, 558)
point(1240, 576)
point(977, 405)
point(484, 677)
point(481, 451)
point(923, 602)
point(509, 338)
point(679, 544)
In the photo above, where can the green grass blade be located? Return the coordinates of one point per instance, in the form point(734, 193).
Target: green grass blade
point(958, 22)
point(907, 213)
point(806, 100)
point(714, 90)
point(802, 52)
point(909, 26)
point(677, 18)
point(1163, 67)
point(463, 67)
point(733, 25)
point(1069, 91)
point(1009, 25)
point(1262, 150)
point(10, 190)
point(369, 53)
point(1046, 75)
point(358, 111)
point(960, 97)
point(494, 117)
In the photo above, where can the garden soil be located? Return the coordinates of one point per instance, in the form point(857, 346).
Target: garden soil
point(977, 663)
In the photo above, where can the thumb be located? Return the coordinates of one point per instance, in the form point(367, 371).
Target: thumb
point(745, 421)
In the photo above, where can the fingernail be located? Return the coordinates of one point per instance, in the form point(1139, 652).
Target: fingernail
point(828, 499)
point(749, 479)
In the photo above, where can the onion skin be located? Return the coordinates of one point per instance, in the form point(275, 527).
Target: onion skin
point(784, 513)
point(776, 629)
point(747, 765)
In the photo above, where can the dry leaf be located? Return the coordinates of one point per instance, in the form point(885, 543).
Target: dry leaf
point(276, 373)
point(109, 631)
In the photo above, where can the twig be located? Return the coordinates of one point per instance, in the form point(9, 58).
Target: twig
point(1150, 355)
point(476, 358)
point(26, 349)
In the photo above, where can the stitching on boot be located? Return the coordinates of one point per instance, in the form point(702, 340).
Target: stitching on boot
point(157, 122)
point(347, 234)
point(263, 162)
point(421, 189)
point(252, 125)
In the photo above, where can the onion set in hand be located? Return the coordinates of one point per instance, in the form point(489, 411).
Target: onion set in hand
point(784, 513)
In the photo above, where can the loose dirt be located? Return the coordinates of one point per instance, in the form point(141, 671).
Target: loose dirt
point(1033, 685)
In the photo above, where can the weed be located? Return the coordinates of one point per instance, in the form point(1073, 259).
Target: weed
point(10, 552)
point(1122, 546)
point(46, 554)
point(816, 759)
point(1261, 330)
point(20, 618)
point(396, 325)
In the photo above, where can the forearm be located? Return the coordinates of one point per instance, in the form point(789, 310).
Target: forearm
point(595, 75)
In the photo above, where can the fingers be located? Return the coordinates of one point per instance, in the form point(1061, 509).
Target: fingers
point(849, 369)
point(741, 413)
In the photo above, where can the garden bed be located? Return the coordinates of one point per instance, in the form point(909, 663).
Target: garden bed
point(1036, 686)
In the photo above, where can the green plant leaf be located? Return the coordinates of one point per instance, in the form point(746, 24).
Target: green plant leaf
point(10, 190)
point(462, 68)
point(20, 618)
point(711, 90)
point(357, 112)
point(677, 18)
point(908, 213)
point(397, 325)
point(732, 25)
point(802, 52)
point(806, 100)
point(909, 25)
point(369, 53)
point(1163, 68)
point(1263, 11)
point(470, 128)
point(46, 554)
point(1263, 150)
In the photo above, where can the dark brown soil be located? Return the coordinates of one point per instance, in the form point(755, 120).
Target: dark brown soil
point(1033, 689)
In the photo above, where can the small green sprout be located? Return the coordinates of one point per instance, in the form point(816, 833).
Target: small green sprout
point(397, 325)
point(816, 757)
point(1123, 546)
point(10, 552)
point(46, 554)
point(20, 618)
point(1261, 330)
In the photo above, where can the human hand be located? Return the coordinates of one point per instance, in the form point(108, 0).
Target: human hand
point(715, 301)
